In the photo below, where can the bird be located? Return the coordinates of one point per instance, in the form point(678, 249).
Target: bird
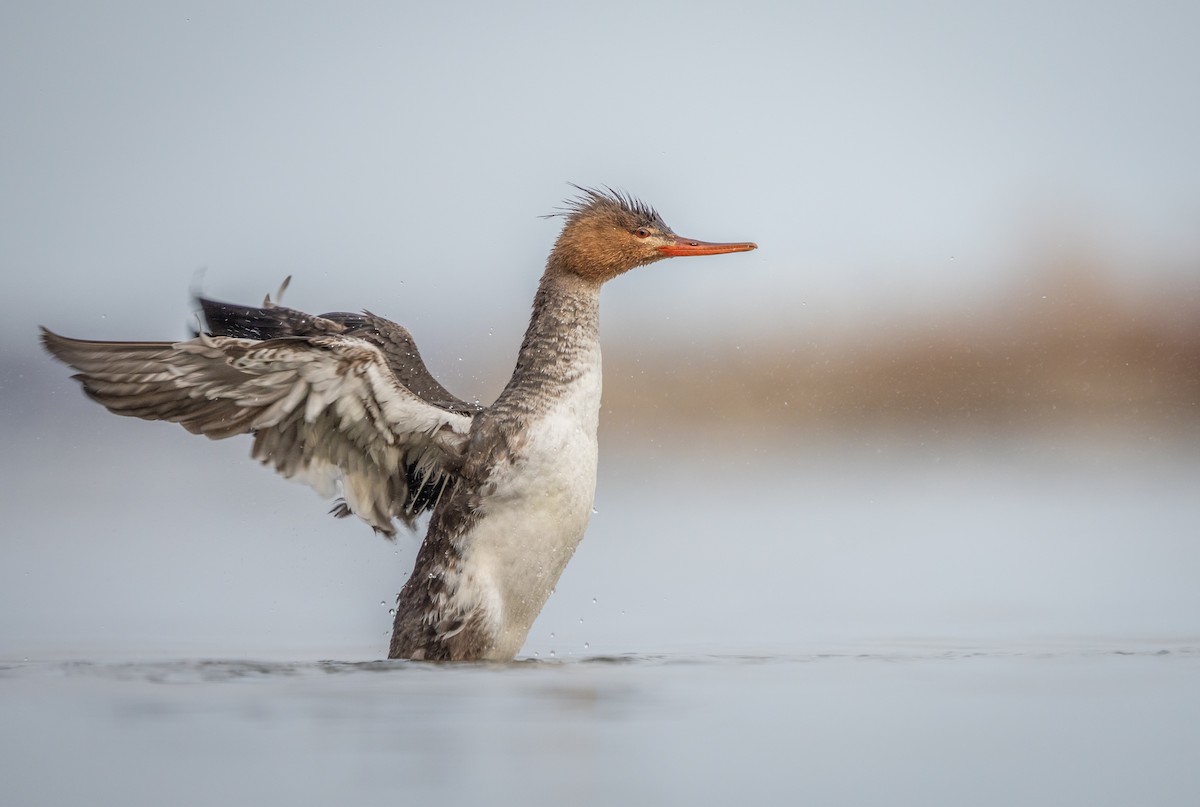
point(345, 403)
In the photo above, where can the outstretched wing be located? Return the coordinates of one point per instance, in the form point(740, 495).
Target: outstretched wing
point(325, 407)
point(272, 321)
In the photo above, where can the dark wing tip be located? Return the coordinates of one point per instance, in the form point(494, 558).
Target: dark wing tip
point(262, 323)
point(59, 346)
point(51, 341)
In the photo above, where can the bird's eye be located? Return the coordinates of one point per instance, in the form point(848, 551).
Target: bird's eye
point(642, 232)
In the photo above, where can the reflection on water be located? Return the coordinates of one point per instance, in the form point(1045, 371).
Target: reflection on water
point(1095, 723)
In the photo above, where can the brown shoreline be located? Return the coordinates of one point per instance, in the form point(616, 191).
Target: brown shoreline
point(1080, 351)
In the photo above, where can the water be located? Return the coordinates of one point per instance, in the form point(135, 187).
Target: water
point(1080, 724)
point(988, 620)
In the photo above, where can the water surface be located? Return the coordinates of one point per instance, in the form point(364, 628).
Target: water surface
point(999, 620)
point(1098, 724)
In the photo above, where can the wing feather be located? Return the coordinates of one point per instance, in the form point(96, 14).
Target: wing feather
point(326, 409)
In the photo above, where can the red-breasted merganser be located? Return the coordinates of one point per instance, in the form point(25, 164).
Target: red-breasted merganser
point(345, 403)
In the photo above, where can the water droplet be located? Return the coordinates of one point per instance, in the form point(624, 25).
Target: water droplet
point(593, 600)
point(551, 635)
point(383, 603)
point(391, 612)
point(551, 654)
point(580, 620)
point(594, 511)
point(587, 645)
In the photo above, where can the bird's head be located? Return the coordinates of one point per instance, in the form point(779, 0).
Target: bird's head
point(607, 233)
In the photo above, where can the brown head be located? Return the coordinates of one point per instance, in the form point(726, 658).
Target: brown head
point(608, 233)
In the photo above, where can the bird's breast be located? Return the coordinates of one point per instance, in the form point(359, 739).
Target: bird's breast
point(535, 509)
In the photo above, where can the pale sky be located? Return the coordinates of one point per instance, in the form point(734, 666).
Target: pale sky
point(397, 156)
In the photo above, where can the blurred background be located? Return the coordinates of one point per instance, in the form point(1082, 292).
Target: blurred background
point(954, 394)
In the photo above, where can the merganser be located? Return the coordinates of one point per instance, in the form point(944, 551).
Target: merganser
point(345, 403)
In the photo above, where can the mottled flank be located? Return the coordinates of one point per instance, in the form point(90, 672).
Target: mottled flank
point(345, 403)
